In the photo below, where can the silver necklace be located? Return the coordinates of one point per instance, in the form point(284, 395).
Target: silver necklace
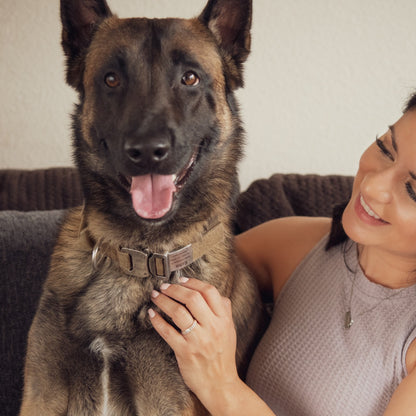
point(348, 321)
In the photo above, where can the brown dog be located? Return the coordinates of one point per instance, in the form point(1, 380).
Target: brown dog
point(157, 138)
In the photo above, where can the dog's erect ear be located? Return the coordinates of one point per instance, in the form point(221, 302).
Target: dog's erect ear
point(230, 22)
point(79, 19)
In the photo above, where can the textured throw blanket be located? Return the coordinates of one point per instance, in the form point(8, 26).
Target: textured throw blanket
point(39, 190)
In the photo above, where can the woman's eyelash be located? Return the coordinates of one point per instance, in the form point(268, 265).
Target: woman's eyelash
point(410, 191)
point(383, 149)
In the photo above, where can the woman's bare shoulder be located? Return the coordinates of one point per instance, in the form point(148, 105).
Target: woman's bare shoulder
point(294, 238)
point(303, 230)
point(274, 249)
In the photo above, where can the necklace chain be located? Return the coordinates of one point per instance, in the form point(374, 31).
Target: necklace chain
point(348, 322)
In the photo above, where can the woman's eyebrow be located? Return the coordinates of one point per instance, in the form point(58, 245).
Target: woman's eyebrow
point(393, 138)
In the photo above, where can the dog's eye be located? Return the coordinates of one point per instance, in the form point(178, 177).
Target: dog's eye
point(112, 80)
point(190, 79)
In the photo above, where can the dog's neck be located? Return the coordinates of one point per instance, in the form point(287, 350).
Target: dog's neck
point(144, 263)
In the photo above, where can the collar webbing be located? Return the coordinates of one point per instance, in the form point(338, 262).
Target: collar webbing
point(146, 263)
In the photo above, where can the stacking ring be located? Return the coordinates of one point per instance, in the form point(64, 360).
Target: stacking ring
point(190, 329)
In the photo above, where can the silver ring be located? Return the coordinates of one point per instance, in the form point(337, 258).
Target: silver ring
point(190, 329)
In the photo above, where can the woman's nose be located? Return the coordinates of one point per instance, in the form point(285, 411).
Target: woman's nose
point(379, 185)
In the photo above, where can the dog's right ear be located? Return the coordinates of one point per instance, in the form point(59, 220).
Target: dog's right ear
point(79, 19)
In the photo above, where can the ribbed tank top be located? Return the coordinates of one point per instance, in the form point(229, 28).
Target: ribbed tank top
point(308, 364)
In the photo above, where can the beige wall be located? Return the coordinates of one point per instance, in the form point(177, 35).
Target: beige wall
point(324, 78)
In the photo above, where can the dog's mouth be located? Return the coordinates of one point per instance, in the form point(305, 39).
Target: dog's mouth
point(153, 194)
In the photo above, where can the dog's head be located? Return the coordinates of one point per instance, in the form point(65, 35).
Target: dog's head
point(157, 134)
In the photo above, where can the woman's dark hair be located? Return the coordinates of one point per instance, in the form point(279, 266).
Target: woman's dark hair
point(411, 103)
point(337, 234)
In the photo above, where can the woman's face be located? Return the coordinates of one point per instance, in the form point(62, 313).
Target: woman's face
point(382, 208)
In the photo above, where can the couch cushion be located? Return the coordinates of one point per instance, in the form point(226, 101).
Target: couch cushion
point(26, 243)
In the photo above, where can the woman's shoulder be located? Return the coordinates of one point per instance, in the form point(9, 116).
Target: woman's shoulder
point(278, 246)
point(289, 234)
point(296, 228)
point(293, 238)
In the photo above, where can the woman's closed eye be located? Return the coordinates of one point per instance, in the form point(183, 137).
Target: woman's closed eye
point(411, 191)
point(384, 149)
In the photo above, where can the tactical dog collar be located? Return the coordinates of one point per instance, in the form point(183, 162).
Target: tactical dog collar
point(145, 263)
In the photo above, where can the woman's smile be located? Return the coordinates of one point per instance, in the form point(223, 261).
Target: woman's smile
point(366, 213)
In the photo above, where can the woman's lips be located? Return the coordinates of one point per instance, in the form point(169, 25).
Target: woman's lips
point(366, 213)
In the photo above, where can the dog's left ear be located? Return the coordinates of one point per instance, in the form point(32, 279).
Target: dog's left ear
point(230, 22)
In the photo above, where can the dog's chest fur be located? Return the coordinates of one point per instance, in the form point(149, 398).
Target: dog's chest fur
point(113, 349)
point(119, 379)
point(118, 356)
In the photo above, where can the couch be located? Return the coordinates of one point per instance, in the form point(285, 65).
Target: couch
point(33, 204)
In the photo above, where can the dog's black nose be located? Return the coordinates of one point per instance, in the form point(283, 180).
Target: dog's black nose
point(154, 151)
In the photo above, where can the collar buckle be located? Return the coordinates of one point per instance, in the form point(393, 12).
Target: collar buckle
point(137, 261)
point(163, 265)
point(159, 265)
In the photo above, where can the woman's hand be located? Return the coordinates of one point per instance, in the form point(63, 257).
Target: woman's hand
point(205, 349)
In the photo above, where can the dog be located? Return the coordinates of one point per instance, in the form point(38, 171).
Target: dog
point(157, 139)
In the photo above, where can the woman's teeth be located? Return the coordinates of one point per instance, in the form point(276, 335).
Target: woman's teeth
point(368, 210)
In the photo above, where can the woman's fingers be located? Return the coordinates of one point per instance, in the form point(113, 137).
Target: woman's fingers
point(166, 331)
point(218, 304)
point(200, 298)
point(181, 316)
point(193, 304)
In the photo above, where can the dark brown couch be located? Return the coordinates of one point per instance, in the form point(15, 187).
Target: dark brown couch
point(33, 203)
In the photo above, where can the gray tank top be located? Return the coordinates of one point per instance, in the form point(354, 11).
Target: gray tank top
point(309, 364)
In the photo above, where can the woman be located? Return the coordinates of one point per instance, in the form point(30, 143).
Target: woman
point(342, 340)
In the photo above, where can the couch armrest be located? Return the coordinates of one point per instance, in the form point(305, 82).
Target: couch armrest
point(41, 189)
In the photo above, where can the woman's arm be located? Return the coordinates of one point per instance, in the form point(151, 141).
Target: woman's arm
point(206, 355)
point(403, 401)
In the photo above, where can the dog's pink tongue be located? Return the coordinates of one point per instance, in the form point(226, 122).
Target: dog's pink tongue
point(152, 195)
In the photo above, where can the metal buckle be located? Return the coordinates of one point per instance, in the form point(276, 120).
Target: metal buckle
point(138, 261)
point(158, 265)
point(163, 265)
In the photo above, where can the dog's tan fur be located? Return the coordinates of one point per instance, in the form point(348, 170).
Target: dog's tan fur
point(91, 348)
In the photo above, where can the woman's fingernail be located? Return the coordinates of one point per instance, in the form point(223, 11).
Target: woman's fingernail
point(155, 294)
point(164, 286)
point(151, 313)
point(183, 279)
